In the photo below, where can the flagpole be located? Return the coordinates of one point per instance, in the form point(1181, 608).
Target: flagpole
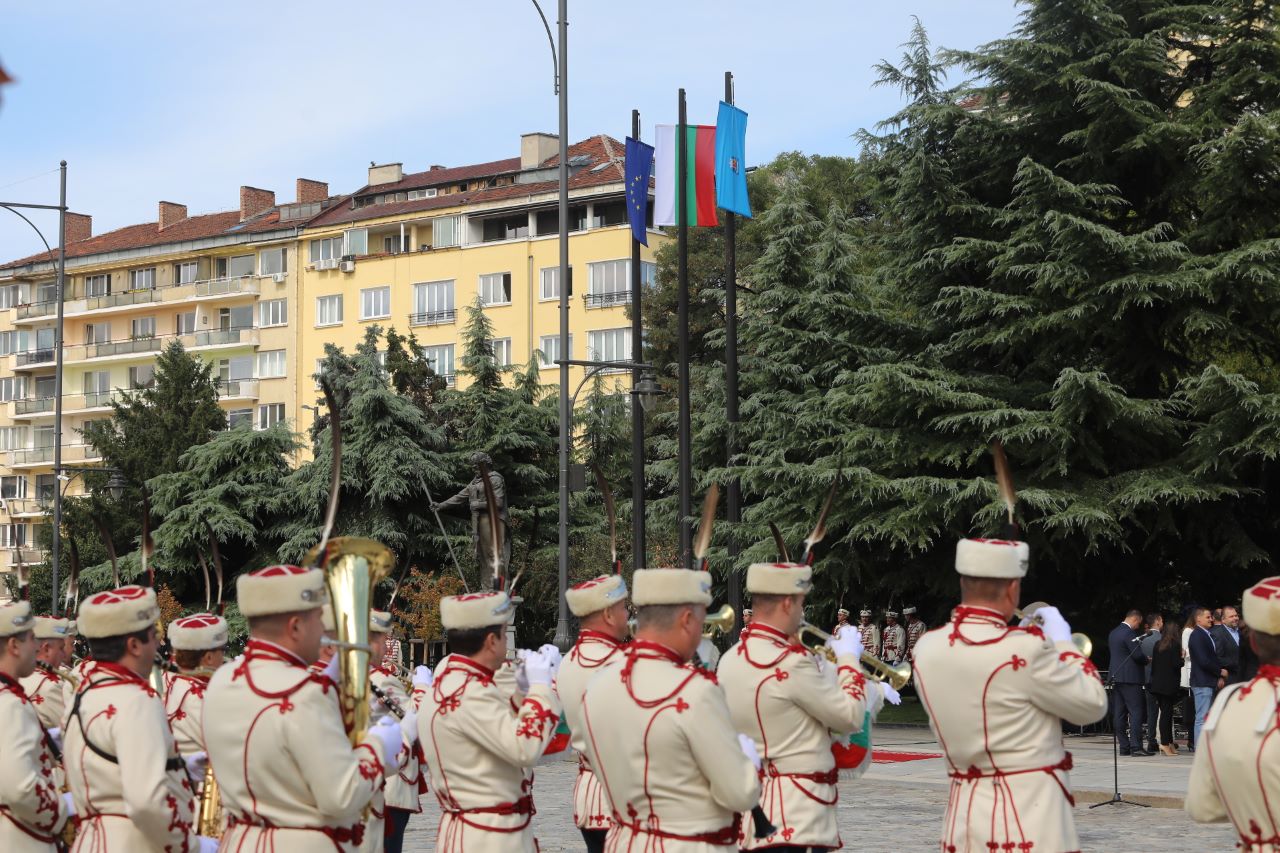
point(733, 507)
point(637, 411)
point(685, 462)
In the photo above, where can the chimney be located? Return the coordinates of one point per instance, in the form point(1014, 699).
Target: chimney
point(436, 167)
point(254, 201)
point(309, 191)
point(537, 148)
point(171, 214)
point(388, 173)
point(79, 227)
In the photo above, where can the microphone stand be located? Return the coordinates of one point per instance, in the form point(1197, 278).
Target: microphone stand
point(1116, 799)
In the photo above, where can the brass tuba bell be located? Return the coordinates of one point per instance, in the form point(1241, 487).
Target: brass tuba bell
point(720, 622)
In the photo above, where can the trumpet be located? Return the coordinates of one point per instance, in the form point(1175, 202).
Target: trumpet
point(896, 674)
point(720, 622)
point(1081, 641)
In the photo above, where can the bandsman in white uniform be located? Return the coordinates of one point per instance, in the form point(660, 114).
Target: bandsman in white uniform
point(996, 697)
point(132, 790)
point(658, 731)
point(199, 647)
point(481, 740)
point(1236, 773)
point(842, 619)
point(791, 708)
point(291, 781)
point(601, 606)
point(893, 648)
point(915, 630)
point(391, 809)
point(44, 684)
point(868, 631)
point(32, 811)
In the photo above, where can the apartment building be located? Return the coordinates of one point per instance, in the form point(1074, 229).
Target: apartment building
point(259, 291)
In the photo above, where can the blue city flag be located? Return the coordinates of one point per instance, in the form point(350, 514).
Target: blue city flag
point(731, 157)
point(639, 165)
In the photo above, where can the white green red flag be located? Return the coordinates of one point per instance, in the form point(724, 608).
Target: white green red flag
point(700, 183)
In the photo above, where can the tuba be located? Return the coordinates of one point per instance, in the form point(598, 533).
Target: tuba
point(352, 568)
point(209, 820)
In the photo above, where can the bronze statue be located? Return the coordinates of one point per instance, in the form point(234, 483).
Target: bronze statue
point(473, 496)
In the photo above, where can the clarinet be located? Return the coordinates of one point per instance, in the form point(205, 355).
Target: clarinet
point(388, 701)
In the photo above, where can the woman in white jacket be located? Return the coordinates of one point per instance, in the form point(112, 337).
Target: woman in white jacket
point(1188, 704)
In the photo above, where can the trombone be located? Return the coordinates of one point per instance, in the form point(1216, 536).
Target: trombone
point(1081, 641)
point(896, 674)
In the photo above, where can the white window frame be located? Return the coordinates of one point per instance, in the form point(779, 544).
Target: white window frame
point(142, 328)
point(225, 263)
point(186, 272)
point(237, 416)
point(547, 345)
point(501, 280)
point(433, 303)
point(615, 347)
point(90, 332)
point(355, 241)
point(273, 312)
point(436, 354)
point(549, 284)
point(272, 364)
point(182, 328)
point(14, 437)
point(264, 420)
point(370, 297)
point(325, 305)
point(134, 382)
point(501, 349)
point(454, 226)
point(273, 260)
point(19, 483)
point(142, 279)
point(326, 249)
point(101, 281)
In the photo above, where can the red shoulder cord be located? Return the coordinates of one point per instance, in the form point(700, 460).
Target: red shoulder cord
point(770, 634)
point(12, 684)
point(985, 616)
point(654, 651)
point(256, 651)
point(471, 671)
point(587, 638)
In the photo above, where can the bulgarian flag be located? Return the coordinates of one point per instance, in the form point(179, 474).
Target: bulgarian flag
point(700, 192)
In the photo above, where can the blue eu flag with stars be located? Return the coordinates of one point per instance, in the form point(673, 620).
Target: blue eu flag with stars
point(639, 165)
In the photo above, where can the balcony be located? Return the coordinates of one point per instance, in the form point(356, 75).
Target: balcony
point(11, 558)
point(26, 507)
point(607, 300)
point(246, 336)
point(35, 457)
point(237, 389)
point(433, 318)
point(28, 406)
point(208, 289)
point(243, 286)
point(36, 310)
point(43, 357)
point(34, 407)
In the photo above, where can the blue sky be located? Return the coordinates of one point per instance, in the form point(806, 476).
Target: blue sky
point(185, 102)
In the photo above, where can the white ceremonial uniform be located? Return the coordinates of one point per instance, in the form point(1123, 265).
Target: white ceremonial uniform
point(44, 691)
point(592, 651)
point(71, 680)
point(401, 791)
point(996, 697)
point(184, 705)
point(778, 696)
point(915, 630)
point(1236, 772)
point(290, 779)
point(661, 740)
point(870, 636)
point(481, 742)
point(31, 809)
point(894, 647)
point(130, 786)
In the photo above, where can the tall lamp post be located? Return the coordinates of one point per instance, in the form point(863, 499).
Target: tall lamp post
point(55, 555)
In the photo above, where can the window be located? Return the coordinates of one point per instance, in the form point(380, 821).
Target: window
point(394, 243)
point(505, 228)
point(97, 333)
point(8, 342)
point(609, 345)
point(231, 319)
point(326, 249)
point(13, 487)
point(495, 289)
point(548, 221)
point(375, 303)
point(319, 370)
point(549, 349)
point(45, 484)
point(235, 369)
point(142, 279)
point(13, 438)
point(142, 376)
point(273, 312)
point(445, 231)
point(648, 274)
point(501, 348)
point(271, 364)
point(440, 358)
point(9, 296)
point(240, 265)
point(329, 310)
point(432, 303)
point(604, 214)
point(270, 414)
point(610, 283)
point(12, 388)
point(97, 285)
point(355, 242)
point(236, 417)
point(96, 382)
point(549, 283)
point(271, 261)
point(141, 328)
point(186, 272)
point(185, 323)
point(13, 535)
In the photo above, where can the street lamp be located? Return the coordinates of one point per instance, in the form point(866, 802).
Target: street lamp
point(646, 390)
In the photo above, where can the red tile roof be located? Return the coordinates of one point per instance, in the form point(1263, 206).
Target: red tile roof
point(436, 177)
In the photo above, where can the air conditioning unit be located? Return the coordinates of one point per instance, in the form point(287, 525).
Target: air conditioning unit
point(279, 277)
point(327, 264)
point(348, 266)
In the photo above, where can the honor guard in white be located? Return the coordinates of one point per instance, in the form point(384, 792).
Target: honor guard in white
point(132, 790)
point(782, 700)
point(390, 812)
point(658, 731)
point(199, 646)
point(601, 607)
point(996, 697)
point(44, 684)
point(915, 630)
point(481, 740)
point(290, 779)
point(868, 631)
point(1236, 773)
point(32, 811)
point(893, 647)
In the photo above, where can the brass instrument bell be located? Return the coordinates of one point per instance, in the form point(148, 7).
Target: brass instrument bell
point(1083, 644)
point(896, 674)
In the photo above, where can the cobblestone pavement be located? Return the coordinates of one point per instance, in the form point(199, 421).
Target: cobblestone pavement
point(899, 806)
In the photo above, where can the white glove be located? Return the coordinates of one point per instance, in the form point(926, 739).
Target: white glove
point(522, 677)
point(68, 812)
point(55, 735)
point(197, 762)
point(331, 668)
point(207, 845)
point(890, 695)
point(422, 678)
point(409, 727)
point(388, 733)
point(552, 652)
point(748, 747)
point(1055, 627)
point(846, 641)
point(539, 668)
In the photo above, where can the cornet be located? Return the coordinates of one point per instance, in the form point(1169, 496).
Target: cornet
point(1081, 641)
point(896, 674)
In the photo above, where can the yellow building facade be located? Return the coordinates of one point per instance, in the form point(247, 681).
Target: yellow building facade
point(258, 293)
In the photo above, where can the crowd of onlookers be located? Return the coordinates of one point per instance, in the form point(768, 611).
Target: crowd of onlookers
point(1158, 664)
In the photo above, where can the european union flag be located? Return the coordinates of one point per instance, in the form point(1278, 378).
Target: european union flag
point(731, 156)
point(639, 165)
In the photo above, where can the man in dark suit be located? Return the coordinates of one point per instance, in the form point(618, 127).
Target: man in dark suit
point(1128, 676)
point(1205, 668)
point(1226, 640)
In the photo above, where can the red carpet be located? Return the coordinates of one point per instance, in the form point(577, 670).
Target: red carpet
point(881, 756)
